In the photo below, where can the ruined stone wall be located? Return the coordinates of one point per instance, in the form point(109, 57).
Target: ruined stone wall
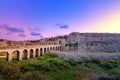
point(95, 42)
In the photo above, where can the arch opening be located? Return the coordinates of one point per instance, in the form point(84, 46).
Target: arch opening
point(53, 48)
point(15, 55)
point(50, 48)
point(36, 52)
point(60, 42)
point(60, 48)
point(31, 53)
point(56, 49)
point(4, 55)
point(25, 54)
point(41, 51)
point(45, 50)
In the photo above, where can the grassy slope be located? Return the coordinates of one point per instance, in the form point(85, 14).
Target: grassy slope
point(49, 67)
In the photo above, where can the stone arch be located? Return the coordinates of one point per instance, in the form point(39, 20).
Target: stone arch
point(41, 51)
point(4, 55)
point(60, 48)
point(16, 55)
point(53, 48)
point(37, 52)
point(60, 42)
point(45, 50)
point(56, 48)
point(25, 54)
point(31, 53)
point(50, 48)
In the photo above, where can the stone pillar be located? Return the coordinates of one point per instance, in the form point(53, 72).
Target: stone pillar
point(43, 51)
point(34, 53)
point(20, 55)
point(48, 49)
point(60, 48)
point(9, 56)
point(38, 52)
point(28, 54)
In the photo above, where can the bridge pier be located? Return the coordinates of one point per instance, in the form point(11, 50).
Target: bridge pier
point(9, 58)
point(20, 55)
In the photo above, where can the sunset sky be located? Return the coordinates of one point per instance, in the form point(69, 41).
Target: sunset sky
point(35, 19)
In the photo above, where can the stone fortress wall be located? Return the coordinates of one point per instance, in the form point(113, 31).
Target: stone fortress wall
point(94, 42)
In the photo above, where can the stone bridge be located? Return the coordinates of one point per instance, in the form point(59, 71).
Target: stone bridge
point(27, 52)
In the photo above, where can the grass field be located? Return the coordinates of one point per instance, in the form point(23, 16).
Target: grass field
point(50, 67)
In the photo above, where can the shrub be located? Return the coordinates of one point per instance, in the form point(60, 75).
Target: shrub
point(105, 78)
point(109, 78)
point(79, 62)
point(8, 71)
point(107, 65)
point(113, 61)
point(53, 65)
point(114, 71)
point(95, 61)
point(72, 62)
point(27, 68)
point(33, 76)
point(86, 61)
point(110, 51)
point(51, 55)
point(82, 76)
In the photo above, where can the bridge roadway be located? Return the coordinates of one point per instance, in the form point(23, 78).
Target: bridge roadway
point(26, 52)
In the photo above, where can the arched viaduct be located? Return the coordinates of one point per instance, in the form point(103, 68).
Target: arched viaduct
point(27, 52)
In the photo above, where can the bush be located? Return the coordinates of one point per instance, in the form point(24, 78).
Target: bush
point(27, 68)
point(109, 78)
point(110, 51)
point(107, 65)
point(72, 62)
point(8, 71)
point(114, 71)
point(33, 76)
point(53, 65)
point(51, 55)
point(105, 78)
point(86, 61)
point(82, 76)
point(95, 61)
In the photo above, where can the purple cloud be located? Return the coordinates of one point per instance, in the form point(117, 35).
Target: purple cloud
point(62, 26)
point(37, 34)
point(22, 35)
point(11, 30)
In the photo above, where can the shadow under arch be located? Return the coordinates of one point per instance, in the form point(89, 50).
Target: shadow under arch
point(25, 54)
point(31, 53)
point(37, 52)
point(15, 55)
point(41, 51)
point(4, 55)
point(45, 50)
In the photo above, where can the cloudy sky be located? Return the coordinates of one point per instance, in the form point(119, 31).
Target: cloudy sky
point(35, 19)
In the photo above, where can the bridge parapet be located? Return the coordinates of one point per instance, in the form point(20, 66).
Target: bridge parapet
point(27, 46)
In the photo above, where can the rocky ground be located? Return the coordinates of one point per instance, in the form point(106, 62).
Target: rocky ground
point(84, 56)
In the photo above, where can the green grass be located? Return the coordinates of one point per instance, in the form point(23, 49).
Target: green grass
point(50, 67)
